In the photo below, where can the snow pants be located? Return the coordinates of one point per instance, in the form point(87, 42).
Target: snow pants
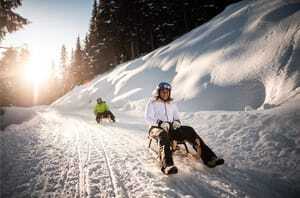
point(184, 133)
point(106, 114)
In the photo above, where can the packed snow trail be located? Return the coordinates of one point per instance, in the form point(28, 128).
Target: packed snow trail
point(68, 155)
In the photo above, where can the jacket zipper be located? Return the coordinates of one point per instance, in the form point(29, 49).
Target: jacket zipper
point(166, 112)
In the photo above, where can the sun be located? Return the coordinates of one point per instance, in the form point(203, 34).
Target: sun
point(36, 72)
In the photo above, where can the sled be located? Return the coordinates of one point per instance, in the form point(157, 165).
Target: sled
point(104, 120)
point(104, 117)
point(179, 148)
point(175, 145)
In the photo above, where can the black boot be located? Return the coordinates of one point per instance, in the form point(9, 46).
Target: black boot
point(170, 170)
point(165, 155)
point(112, 117)
point(167, 165)
point(215, 162)
point(98, 120)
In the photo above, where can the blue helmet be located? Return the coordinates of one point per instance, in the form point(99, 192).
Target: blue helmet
point(164, 85)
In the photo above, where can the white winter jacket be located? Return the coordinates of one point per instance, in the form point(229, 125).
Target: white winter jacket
point(159, 110)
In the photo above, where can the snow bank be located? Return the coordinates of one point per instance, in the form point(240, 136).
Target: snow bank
point(247, 56)
point(18, 115)
point(15, 115)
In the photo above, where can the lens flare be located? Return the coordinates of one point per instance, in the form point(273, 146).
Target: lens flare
point(36, 73)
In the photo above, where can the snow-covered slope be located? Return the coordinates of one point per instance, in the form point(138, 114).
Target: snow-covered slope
point(245, 58)
point(248, 55)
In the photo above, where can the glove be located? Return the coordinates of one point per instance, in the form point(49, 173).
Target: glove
point(176, 124)
point(165, 126)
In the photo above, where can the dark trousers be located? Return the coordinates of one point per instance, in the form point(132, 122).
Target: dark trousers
point(106, 114)
point(184, 133)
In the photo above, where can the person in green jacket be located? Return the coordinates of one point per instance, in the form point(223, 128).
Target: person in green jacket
point(101, 110)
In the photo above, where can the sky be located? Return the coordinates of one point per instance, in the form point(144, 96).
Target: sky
point(53, 23)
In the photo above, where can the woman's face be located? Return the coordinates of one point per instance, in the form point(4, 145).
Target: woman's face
point(164, 94)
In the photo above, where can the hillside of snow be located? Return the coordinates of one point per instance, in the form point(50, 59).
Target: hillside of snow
point(236, 80)
point(247, 55)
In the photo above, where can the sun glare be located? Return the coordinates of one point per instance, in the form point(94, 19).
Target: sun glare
point(36, 72)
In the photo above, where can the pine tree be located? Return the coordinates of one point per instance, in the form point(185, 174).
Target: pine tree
point(68, 81)
point(10, 21)
point(63, 57)
point(90, 72)
point(127, 28)
point(121, 30)
point(76, 75)
point(23, 92)
point(63, 67)
point(101, 59)
point(91, 39)
point(9, 70)
point(8, 64)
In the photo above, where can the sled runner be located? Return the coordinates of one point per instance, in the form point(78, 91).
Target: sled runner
point(176, 145)
point(180, 148)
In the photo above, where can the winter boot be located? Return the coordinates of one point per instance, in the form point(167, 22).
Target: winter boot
point(215, 162)
point(198, 149)
point(167, 165)
point(170, 170)
point(98, 121)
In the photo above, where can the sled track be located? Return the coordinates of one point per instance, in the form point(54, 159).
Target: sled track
point(96, 178)
point(68, 156)
point(103, 170)
point(182, 183)
point(128, 167)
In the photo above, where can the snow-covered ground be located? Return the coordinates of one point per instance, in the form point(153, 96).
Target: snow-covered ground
point(65, 154)
point(247, 58)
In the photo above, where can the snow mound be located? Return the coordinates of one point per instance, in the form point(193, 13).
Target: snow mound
point(15, 115)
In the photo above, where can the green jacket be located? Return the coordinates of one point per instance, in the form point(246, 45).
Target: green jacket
point(101, 108)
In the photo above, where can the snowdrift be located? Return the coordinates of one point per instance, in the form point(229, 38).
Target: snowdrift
point(248, 56)
point(10, 116)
